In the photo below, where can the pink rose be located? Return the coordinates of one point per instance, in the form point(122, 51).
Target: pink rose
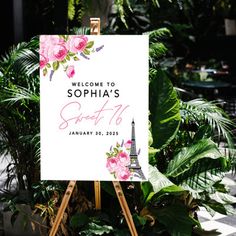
point(112, 164)
point(77, 43)
point(57, 52)
point(42, 61)
point(70, 71)
point(128, 144)
point(122, 173)
point(49, 41)
point(123, 158)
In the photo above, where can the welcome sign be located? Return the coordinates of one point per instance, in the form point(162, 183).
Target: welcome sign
point(94, 107)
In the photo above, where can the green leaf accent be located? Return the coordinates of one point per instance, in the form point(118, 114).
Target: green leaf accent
point(90, 44)
point(71, 54)
point(108, 154)
point(86, 52)
point(48, 65)
point(55, 65)
point(76, 58)
point(164, 108)
point(184, 160)
point(45, 71)
point(63, 61)
point(67, 57)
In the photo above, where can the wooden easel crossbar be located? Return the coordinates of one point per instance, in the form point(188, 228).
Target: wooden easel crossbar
point(95, 30)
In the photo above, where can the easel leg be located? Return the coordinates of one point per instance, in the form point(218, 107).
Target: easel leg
point(125, 208)
point(97, 193)
point(62, 208)
point(95, 30)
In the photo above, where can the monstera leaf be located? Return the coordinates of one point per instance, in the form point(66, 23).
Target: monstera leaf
point(164, 109)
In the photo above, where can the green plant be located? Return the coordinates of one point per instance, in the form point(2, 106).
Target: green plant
point(18, 100)
point(186, 165)
point(226, 7)
point(128, 17)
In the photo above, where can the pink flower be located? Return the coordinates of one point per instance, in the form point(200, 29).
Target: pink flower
point(123, 158)
point(112, 164)
point(70, 71)
point(77, 43)
point(57, 52)
point(47, 43)
point(122, 173)
point(128, 144)
point(42, 61)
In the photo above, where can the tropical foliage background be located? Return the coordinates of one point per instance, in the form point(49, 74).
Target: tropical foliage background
point(187, 163)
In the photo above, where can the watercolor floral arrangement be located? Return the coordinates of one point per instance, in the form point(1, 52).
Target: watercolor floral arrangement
point(60, 50)
point(118, 160)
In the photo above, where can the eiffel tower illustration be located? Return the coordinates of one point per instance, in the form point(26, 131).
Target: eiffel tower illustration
point(134, 166)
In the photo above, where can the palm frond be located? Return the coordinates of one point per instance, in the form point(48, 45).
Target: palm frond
point(80, 31)
point(26, 58)
point(157, 48)
point(22, 58)
point(19, 93)
point(159, 34)
point(200, 111)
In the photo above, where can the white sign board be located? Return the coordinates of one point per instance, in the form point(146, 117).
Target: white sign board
point(94, 107)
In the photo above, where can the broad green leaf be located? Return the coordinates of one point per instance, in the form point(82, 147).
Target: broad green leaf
point(185, 159)
point(95, 229)
point(139, 220)
point(78, 220)
point(150, 139)
point(146, 189)
point(158, 186)
point(108, 187)
point(170, 190)
point(202, 182)
point(164, 109)
point(176, 219)
point(151, 155)
point(157, 179)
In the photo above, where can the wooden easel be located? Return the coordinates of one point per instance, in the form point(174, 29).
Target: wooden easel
point(95, 30)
